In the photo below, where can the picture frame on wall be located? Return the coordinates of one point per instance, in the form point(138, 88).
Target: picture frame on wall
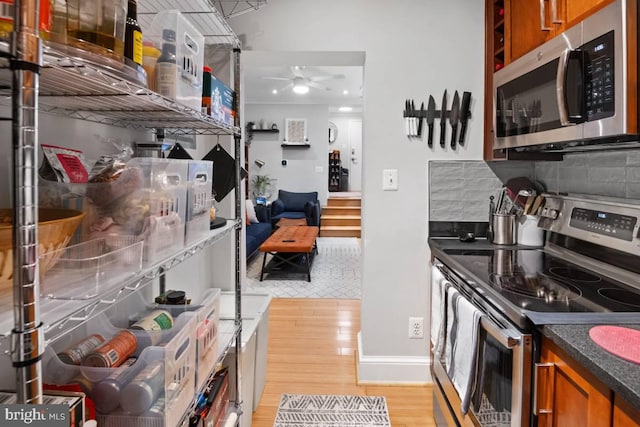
point(295, 131)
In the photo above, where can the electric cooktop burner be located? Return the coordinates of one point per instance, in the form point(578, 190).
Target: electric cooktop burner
point(621, 296)
point(534, 280)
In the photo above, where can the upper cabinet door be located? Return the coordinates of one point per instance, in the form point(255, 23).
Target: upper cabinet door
point(533, 22)
point(577, 10)
point(531, 25)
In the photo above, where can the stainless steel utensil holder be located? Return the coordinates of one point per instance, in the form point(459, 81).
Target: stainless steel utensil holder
point(504, 229)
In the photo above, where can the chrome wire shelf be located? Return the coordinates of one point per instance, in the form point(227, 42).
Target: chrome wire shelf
point(228, 330)
point(63, 316)
point(233, 8)
point(201, 13)
point(79, 88)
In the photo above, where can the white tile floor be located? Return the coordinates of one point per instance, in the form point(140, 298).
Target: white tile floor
point(335, 273)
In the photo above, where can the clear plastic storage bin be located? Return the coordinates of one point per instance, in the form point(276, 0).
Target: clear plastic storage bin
point(188, 48)
point(200, 185)
point(88, 269)
point(155, 391)
point(156, 212)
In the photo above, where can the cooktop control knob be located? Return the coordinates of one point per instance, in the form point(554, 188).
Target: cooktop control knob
point(553, 213)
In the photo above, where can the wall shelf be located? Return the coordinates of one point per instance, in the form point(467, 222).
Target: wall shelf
point(266, 131)
point(295, 144)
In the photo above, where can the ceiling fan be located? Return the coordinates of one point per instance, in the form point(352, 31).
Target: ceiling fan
point(301, 83)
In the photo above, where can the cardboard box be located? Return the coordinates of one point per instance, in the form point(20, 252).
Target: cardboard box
point(222, 102)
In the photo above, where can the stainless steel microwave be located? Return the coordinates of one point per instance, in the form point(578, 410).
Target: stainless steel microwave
point(576, 92)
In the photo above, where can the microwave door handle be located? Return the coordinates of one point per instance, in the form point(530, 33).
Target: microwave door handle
point(561, 88)
point(569, 118)
point(504, 336)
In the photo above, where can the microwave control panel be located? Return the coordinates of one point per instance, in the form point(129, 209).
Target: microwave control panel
point(606, 223)
point(600, 82)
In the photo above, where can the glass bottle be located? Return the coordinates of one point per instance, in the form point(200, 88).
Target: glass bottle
point(133, 34)
point(166, 67)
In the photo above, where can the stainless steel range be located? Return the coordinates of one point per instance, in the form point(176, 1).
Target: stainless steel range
point(587, 272)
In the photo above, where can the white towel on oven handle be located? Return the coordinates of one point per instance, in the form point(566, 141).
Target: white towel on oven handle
point(462, 342)
point(438, 309)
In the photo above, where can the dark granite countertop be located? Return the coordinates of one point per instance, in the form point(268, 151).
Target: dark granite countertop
point(616, 373)
point(619, 375)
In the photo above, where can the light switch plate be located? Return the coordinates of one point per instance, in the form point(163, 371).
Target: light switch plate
point(390, 179)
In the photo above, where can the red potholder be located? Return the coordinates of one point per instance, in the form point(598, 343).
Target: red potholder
point(623, 342)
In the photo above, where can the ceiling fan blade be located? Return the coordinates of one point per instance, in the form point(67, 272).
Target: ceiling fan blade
point(328, 77)
point(318, 86)
point(297, 71)
point(276, 78)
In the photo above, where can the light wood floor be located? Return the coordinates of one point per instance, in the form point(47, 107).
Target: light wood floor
point(312, 344)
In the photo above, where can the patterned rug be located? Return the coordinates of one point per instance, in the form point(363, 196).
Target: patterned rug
point(335, 273)
point(312, 410)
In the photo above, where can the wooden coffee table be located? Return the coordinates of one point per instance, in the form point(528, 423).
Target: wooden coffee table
point(286, 245)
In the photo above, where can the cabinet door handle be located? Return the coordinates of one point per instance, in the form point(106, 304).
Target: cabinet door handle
point(549, 388)
point(554, 13)
point(543, 18)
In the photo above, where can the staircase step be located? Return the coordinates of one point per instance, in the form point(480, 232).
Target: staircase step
point(341, 210)
point(340, 231)
point(329, 220)
point(343, 201)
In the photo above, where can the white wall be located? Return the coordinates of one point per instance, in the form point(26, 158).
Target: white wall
point(301, 174)
point(413, 48)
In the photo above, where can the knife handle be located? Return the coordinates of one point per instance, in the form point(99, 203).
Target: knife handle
point(430, 139)
point(454, 128)
point(443, 130)
point(463, 129)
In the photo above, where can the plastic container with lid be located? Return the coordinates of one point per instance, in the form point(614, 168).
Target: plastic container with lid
point(189, 55)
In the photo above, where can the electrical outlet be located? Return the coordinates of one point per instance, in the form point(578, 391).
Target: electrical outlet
point(416, 327)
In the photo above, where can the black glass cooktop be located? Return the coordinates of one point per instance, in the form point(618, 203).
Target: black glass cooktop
point(537, 281)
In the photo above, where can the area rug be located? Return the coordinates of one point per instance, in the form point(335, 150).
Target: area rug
point(313, 410)
point(335, 273)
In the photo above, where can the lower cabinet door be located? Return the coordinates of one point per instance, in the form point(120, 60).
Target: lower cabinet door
point(624, 415)
point(568, 395)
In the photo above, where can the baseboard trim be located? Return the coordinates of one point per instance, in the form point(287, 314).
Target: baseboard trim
point(391, 370)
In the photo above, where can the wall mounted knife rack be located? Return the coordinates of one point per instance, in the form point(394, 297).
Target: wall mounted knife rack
point(413, 128)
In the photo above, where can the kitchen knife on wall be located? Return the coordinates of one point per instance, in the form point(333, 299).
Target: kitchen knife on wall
point(431, 114)
point(443, 118)
point(414, 124)
point(453, 119)
point(406, 117)
point(420, 119)
point(464, 115)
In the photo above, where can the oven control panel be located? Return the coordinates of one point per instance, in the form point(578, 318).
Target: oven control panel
point(605, 223)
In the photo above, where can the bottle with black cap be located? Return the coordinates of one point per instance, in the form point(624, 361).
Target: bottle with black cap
point(133, 36)
point(167, 67)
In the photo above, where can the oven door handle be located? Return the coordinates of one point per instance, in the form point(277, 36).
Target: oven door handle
point(507, 337)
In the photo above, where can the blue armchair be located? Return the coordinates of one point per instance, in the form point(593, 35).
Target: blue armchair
point(296, 205)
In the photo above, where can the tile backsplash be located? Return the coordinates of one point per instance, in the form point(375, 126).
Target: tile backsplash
point(460, 190)
point(604, 173)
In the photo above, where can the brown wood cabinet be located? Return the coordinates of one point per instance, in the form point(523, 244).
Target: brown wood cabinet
point(568, 395)
point(533, 22)
point(625, 415)
point(497, 42)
